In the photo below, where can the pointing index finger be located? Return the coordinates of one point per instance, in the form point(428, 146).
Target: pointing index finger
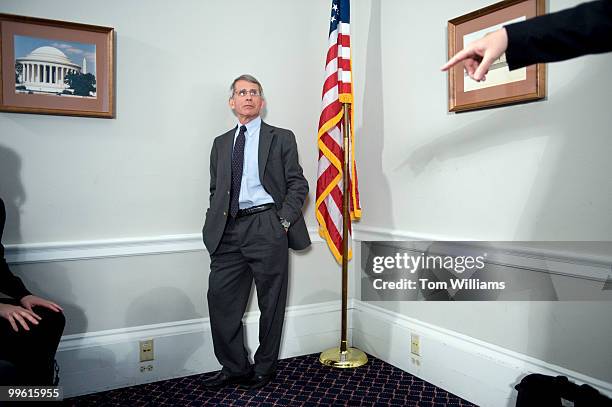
point(459, 56)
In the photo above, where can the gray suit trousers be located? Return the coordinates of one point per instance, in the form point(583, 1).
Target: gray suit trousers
point(253, 247)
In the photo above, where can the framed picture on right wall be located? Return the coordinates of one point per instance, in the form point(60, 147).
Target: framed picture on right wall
point(501, 86)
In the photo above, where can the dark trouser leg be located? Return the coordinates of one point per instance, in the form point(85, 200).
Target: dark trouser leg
point(32, 352)
point(266, 249)
point(8, 373)
point(229, 286)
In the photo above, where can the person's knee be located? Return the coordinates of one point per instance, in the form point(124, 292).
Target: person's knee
point(59, 319)
point(51, 321)
point(216, 291)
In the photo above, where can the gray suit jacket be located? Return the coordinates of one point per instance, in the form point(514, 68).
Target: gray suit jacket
point(280, 174)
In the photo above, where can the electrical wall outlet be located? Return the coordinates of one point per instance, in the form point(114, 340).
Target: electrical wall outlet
point(147, 368)
point(146, 350)
point(415, 344)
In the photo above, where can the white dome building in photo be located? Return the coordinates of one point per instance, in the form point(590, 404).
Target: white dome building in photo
point(44, 70)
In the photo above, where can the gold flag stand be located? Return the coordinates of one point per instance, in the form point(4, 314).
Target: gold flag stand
point(344, 357)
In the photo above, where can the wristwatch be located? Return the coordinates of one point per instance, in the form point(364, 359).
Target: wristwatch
point(285, 223)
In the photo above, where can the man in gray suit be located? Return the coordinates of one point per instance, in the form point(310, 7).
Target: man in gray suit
point(257, 191)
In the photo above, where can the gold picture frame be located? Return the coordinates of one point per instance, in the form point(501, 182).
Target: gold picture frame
point(502, 86)
point(56, 67)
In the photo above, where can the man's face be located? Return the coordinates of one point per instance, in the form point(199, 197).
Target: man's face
point(246, 107)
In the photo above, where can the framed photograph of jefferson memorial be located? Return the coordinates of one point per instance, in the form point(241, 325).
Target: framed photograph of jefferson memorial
point(56, 67)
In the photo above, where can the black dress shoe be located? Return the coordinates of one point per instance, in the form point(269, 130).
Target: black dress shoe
point(222, 379)
point(258, 381)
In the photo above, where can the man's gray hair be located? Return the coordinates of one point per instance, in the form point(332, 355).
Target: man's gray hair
point(248, 78)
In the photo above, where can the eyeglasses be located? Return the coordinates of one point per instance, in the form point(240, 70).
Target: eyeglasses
point(243, 92)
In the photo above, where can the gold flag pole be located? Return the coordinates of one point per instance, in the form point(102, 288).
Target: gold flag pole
point(345, 357)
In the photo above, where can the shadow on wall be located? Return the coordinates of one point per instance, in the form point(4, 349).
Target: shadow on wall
point(12, 192)
point(573, 181)
point(161, 305)
point(302, 333)
point(51, 281)
point(374, 181)
point(48, 280)
point(380, 206)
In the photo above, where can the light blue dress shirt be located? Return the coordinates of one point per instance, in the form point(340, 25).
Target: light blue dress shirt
point(252, 193)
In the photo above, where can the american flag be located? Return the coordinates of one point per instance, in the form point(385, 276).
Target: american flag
point(337, 89)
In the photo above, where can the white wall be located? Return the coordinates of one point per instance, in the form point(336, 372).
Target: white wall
point(144, 175)
point(146, 172)
point(527, 172)
point(538, 171)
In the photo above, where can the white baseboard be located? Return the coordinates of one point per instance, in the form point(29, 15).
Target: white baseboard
point(477, 371)
point(98, 361)
point(474, 370)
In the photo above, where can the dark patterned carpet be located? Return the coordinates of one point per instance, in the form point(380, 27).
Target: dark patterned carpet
point(301, 381)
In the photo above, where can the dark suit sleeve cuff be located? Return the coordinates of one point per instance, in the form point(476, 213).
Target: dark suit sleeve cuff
point(518, 35)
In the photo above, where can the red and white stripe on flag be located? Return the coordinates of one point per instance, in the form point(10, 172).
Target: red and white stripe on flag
point(337, 90)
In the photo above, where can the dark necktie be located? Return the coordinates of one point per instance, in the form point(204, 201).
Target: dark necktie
point(237, 166)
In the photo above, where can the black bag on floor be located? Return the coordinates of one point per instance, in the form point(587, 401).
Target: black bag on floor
point(537, 390)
